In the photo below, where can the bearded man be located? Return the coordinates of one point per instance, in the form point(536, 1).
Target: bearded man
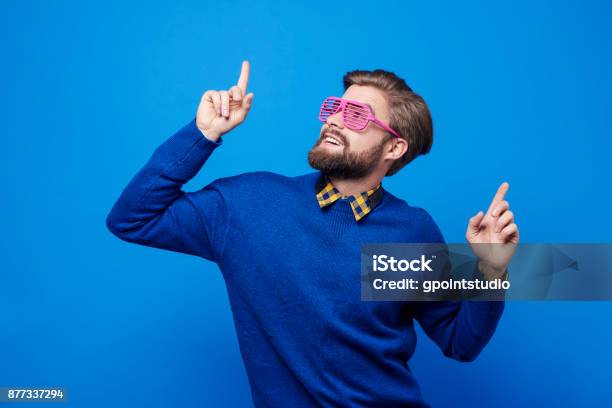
point(289, 247)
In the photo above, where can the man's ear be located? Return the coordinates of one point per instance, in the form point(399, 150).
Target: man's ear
point(396, 147)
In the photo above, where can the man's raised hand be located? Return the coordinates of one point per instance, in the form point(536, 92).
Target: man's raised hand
point(221, 111)
point(497, 225)
point(493, 236)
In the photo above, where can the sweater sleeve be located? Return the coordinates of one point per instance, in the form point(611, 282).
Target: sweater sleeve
point(460, 328)
point(153, 210)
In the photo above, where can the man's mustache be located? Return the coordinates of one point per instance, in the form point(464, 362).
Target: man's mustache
point(332, 132)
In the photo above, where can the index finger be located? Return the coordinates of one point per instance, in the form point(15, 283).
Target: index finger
point(499, 196)
point(244, 76)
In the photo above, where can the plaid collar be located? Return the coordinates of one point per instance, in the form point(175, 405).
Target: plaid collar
point(362, 204)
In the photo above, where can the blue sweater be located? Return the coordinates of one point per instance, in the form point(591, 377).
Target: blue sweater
point(292, 272)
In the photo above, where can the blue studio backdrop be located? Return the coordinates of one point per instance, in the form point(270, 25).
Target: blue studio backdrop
point(519, 91)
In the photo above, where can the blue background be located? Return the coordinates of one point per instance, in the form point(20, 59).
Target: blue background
point(520, 91)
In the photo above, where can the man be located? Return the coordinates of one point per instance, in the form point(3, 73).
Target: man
point(289, 247)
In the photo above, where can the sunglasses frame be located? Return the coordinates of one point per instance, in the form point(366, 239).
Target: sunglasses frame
point(346, 120)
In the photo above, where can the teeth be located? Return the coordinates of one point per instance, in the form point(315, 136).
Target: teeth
point(332, 140)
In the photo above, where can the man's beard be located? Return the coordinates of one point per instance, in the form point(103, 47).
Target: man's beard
point(345, 164)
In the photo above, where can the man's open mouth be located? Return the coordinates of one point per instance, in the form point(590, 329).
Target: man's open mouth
point(332, 140)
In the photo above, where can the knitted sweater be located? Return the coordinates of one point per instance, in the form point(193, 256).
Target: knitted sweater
point(292, 271)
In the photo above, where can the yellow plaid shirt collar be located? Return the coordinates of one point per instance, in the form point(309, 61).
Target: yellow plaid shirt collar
point(362, 204)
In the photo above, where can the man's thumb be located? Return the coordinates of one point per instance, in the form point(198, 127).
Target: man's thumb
point(247, 102)
point(474, 224)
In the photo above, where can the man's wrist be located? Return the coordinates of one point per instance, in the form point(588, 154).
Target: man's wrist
point(491, 272)
point(211, 135)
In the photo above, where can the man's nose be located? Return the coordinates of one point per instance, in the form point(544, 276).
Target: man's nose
point(335, 119)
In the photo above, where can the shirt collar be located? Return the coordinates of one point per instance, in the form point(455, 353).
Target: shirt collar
point(361, 204)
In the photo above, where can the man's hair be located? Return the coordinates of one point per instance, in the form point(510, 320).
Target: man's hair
point(409, 114)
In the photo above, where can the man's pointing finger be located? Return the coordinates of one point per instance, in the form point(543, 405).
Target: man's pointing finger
point(243, 81)
point(499, 196)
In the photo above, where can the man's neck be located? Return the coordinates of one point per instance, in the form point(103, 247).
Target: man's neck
point(349, 187)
